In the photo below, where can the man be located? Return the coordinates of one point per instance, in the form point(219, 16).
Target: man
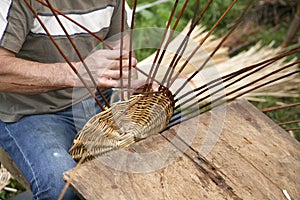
point(42, 103)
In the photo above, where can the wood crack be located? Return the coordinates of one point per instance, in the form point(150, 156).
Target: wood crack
point(203, 165)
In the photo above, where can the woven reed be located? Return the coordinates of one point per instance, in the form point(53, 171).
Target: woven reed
point(4, 177)
point(123, 124)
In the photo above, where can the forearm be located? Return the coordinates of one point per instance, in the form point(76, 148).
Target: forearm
point(23, 76)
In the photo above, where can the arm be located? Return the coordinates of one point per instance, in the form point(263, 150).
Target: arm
point(27, 77)
point(23, 76)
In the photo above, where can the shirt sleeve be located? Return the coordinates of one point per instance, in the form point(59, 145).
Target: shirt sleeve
point(116, 20)
point(15, 20)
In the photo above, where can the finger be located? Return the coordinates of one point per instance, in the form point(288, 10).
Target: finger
point(115, 74)
point(134, 83)
point(115, 64)
point(125, 63)
point(133, 61)
point(108, 83)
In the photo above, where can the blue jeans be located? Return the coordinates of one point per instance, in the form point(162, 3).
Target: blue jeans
point(39, 146)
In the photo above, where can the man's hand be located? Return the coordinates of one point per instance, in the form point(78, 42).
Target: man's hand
point(104, 66)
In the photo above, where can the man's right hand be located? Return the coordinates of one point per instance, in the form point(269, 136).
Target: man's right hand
point(104, 66)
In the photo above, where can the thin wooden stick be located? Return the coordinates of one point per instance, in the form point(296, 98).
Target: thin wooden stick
point(292, 129)
point(64, 56)
point(197, 6)
point(266, 83)
point(280, 107)
point(289, 122)
point(121, 49)
point(78, 24)
point(78, 54)
point(131, 46)
point(228, 85)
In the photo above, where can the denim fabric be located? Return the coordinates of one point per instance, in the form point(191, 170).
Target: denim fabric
point(39, 146)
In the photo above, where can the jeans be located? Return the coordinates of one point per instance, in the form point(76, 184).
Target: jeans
point(39, 146)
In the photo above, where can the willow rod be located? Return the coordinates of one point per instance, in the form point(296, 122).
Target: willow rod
point(289, 122)
point(131, 46)
point(64, 56)
point(280, 107)
point(197, 6)
point(72, 175)
point(292, 129)
point(121, 49)
point(145, 74)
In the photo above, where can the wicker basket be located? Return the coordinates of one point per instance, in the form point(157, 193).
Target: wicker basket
point(123, 124)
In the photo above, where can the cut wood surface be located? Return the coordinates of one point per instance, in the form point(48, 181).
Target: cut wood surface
point(246, 156)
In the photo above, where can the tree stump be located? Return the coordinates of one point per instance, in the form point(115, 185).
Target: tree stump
point(247, 156)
